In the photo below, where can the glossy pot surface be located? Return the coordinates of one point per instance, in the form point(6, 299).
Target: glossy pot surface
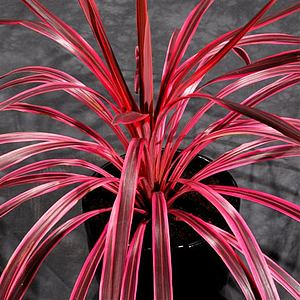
point(198, 272)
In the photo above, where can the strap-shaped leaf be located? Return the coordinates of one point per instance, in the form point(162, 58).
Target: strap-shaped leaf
point(280, 275)
point(264, 64)
point(144, 57)
point(288, 208)
point(119, 226)
point(264, 117)
point(19, 259)
point(46, 247)
point(84, 94)
point(67, 33)
point(60, 76)
point(242, 53)
point(187, 31)
point(92, 15)
point(49, 163)
point(245, 238)
point(233, 159)
point(215, 44)
point(129, 118)
point(89, 269)
point(131, 273)
point(263, 93)
point(39, 190)
point(161, 249)
point(223, 249)
point(51, 87)
point(216, 58)
point(178, 46)
point(13, 157)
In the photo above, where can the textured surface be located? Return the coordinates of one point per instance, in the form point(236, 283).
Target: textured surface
point(278, 236)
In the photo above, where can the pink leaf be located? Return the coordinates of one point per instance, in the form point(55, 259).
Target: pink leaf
point(169, 53)
point(236, 158)
point(290, 209)
point(137, 71)
point(161, 250)
point(131, 273)
point(66, 32)
point(85, 54)
point(56, 76)
point(269, 38)
point(280, 275)
point(89, 269)
point(41, 253)
point(84, 94)
point(193, 61)
point(61, 117)
point(25, 249)
point(39, 190)
point(223, 249)
point(93, 17)
point(262, 116)
point(280, 59)
point(179, 45)
point(245, 238)
point(46, 88)
point(145, 57)
point(129, 118)
point(217, 57)
point(10, 178)
point(118, 232)
point(53, 142)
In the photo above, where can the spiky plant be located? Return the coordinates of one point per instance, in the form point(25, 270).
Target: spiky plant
point(150, 132)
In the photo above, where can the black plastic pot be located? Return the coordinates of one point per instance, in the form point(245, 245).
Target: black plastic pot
point(198, 272)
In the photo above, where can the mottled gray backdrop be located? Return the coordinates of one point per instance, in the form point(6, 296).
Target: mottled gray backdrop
point(278, 236)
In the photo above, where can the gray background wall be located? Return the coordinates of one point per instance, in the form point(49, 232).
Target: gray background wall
point(278, 236)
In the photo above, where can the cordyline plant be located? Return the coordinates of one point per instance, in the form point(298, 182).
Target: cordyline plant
point(149, 131)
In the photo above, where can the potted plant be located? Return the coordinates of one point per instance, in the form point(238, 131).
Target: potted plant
point(154, 174)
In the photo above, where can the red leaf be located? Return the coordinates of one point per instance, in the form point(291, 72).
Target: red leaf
point(61, 117)
point(50, 163)
point(292, 56)
point(217, 57)
point(74, 43)
point(39, 190)
point(89, 269)
point(290, 209)
point(223, 249)
point(169, 53)
point(131, 273)
point(215, 44)
point(240, 52)
point(178, 46)
point(129, 117)
point(118, 232)
point(137, 71)
point(245, 238)
point(93, 17)
point(186, 33)
point(237, 158)
point(161, 250)
point(26, 248)
point(280, 275)
point(52, 142)
point(269, 38)
point(264, 117)
point(41, 253)
point(144, 57)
